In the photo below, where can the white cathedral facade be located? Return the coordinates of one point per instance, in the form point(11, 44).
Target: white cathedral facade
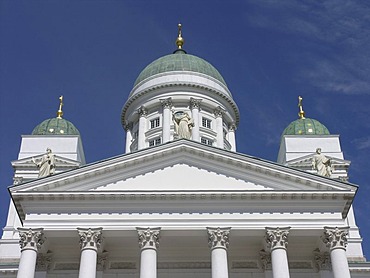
point(181, 202)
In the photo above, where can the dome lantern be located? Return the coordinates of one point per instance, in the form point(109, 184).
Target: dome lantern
point(56, 126)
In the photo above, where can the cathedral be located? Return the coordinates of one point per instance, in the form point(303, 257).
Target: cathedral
point(181, 201)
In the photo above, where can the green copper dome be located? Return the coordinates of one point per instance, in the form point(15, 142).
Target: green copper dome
point(179, 61)
point(55, 126)
point(306, 126)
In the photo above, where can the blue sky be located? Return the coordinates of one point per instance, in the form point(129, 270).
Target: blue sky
point(269, 52)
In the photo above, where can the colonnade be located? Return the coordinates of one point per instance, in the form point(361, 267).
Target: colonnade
point(274, 256)
point(194, 106)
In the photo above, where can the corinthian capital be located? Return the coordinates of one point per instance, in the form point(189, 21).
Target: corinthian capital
point(265, 258)
point(232, 126)
point(277, 237)
point(43, 261)
point(148, 238)
point(143, 112)
point(90, 238)
point(166, 103)
point(321, 260)
point(195, 103)
point(219, 111)
point(31, 239)
point(335, 237)
point(218, 237)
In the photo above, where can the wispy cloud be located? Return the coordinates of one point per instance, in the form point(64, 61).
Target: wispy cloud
point(362, 143)
point(334, 49)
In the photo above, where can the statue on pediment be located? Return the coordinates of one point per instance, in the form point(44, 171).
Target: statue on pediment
point(46, 164)
point(321, 164)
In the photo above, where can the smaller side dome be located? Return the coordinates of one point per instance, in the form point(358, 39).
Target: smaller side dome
point(306, 126)
point(55, 126)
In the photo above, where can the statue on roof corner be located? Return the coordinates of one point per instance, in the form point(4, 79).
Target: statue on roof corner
point(183, 125)
point(46, 164)
point(321, 164)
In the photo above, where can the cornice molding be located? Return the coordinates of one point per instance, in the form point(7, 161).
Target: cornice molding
point(218, 93)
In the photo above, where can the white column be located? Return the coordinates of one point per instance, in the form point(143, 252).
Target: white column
point(148, 242)
point(128, 128)
point(219, 127)
point(194, 106)
point(218, 241)
point(90, 241)
point(322, 263)
point(277, 242)
point(166, 121)
point(142, 127)
point(336, 240)
point(30, 241)
point(231, 137)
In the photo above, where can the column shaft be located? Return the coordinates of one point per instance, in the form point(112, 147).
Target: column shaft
point(232, 139)
point(339, 263)
point(195, 130)
point(231, 136)
point(219, 263)
point(194, 106)
point(279, 263)
point(148, 263)
point(142, 128)
point(88, 264)
point(128, 140)
point(166, 124)
point(220, 132)
point(27, 264)
point(148, 242)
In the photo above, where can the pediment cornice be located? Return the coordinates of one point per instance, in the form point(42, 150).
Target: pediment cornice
point(182, 152)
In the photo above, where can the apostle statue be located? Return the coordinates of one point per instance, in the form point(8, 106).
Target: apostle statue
point(183, 124)
point(46, 164)
point(321, 164)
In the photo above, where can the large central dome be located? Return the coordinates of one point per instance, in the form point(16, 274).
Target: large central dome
point(179, 61)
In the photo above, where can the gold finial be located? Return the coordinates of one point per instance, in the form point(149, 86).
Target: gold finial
point(301, 112)
point(60, 112)
point(179, 41)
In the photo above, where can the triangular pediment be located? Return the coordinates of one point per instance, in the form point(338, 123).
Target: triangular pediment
point(306, 161)
point(179, 169)
point(182, 165)
point(60, 162)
